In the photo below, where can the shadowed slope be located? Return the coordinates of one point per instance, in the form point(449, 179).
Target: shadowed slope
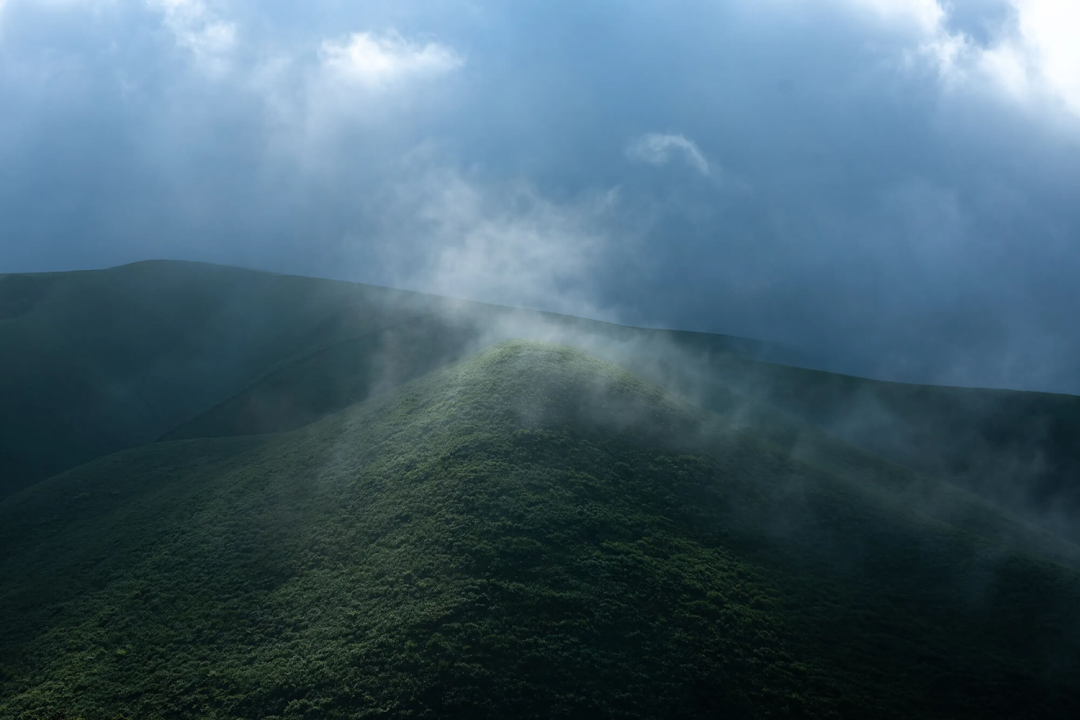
point(95, 361)
point(1018, 449)
point(529, 533)
point(330, 378)
point(100, 360)
point(91, 362)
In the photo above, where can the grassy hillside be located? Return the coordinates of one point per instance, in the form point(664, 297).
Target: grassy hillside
point(330, 378)
point(534, 533)
point(95, 361)
point(1020, 449)
point(92, 362)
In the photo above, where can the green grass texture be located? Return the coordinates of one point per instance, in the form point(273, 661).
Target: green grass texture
point(93, 362)
point(527, 532)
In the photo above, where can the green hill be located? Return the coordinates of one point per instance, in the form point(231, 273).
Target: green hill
point(1019, 449)
point(91, 362)
point(95, 361)
point(531, 532)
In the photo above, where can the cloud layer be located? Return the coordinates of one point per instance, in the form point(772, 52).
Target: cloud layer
point(1030, 57)
point(658, 149)
point(889, 184)
point(378, 60)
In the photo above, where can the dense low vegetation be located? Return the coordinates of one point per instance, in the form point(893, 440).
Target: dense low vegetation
point(531, 532)
point(93, 362)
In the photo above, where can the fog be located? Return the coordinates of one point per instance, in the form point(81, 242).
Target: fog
point(887, 185)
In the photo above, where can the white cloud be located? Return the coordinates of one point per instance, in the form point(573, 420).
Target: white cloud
point(925, 15)
point(378, 60)
point(198, 29)
point(445, 232)
point(658, 149)
point(1044, 54)
point(360, 86)
point(1035, 58)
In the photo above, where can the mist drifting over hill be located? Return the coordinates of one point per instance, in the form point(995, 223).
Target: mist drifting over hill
point(274, 496)
point(887, 184)
point(476, 359)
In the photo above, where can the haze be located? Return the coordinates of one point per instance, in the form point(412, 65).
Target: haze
point(889, 185)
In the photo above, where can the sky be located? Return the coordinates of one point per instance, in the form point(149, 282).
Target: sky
point(891, 185)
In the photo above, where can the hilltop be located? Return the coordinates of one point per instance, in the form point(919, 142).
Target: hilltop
point(93, 362)
point(529, 532)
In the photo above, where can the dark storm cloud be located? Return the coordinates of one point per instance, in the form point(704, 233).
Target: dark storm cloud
point(862, 177)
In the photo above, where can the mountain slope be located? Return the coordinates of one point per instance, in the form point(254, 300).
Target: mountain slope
point(95, 361)
point(92, 362)
point(531, 533)
point(1019, 449)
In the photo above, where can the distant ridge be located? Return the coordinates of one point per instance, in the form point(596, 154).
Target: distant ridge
point(92, 362)
point(95, 361)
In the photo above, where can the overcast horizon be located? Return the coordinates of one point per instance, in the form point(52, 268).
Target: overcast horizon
point(890, 185)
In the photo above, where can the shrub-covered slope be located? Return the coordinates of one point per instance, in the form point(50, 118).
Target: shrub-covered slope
point(91, 362)
point(529, 533)
point(95, 361)
point(1019, 449)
